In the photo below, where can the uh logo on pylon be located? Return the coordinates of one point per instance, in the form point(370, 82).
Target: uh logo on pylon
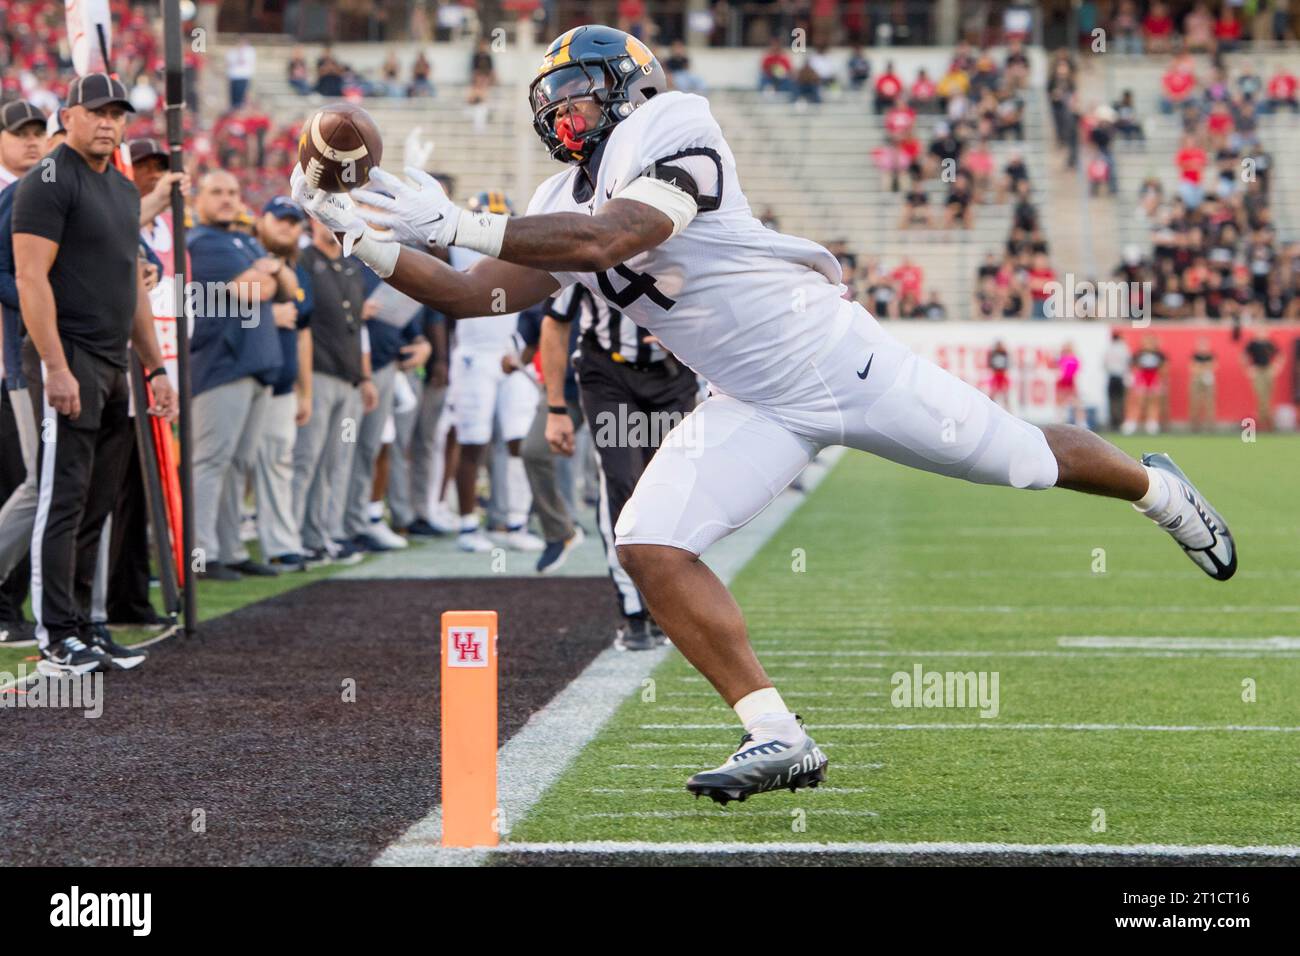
point(468, 647)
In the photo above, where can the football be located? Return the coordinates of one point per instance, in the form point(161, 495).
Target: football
point(338, 147)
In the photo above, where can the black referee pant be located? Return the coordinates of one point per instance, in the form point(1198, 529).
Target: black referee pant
point(614, 394)
point(81, 467)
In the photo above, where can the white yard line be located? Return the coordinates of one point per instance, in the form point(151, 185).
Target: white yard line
point(1276, 643)
point(542, 750)
point(910, 849)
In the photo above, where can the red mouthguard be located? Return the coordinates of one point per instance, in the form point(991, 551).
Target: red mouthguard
point(570, 129)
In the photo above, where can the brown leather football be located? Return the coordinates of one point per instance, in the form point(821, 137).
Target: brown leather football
point(338, 147)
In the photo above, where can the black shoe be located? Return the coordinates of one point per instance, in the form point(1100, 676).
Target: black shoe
point(17, 633)
point(635, 635)
point(420, 528)
point(345, 553)
point(124, 658)
point(220, 572)
point(254, 569)
point(287, 563)
point(316, 558)
point(70, 658)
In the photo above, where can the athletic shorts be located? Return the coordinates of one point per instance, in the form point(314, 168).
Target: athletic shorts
point(728, 459)
point(1146, 380)
point(481, 395)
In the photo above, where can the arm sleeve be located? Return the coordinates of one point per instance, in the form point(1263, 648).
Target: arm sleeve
point(40, 207)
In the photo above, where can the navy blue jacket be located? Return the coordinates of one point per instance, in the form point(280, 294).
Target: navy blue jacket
point(227, 347)
point(13, 323)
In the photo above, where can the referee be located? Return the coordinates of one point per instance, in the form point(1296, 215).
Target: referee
point(624, 376)
point(76, 223)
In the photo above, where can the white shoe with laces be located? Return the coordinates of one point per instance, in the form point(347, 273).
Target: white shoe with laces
point(475, 542)
point(1191, 521)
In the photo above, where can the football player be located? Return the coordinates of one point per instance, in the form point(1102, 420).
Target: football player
point(488, 391)
point(651, 217)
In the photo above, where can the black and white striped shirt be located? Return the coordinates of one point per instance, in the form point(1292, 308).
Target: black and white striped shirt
point(612, 331)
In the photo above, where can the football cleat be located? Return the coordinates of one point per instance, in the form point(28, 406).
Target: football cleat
point(1197, 527)
point(759, 766)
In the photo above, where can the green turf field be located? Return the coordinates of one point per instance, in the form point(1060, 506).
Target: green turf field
point(904, 568)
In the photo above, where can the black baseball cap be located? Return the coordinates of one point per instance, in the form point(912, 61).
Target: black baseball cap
point(93, 90)
point(14, 116)
point(142, 149)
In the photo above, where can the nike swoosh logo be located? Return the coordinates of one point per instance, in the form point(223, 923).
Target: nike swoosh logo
point(437, 218)
point(866, 371)
point(609, 193)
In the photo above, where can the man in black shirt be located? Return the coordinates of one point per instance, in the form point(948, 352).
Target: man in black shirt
point(76, 228)
point(1263, 360)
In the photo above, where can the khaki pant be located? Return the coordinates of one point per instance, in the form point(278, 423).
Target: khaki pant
point(1262, 379)
point(1201, 405)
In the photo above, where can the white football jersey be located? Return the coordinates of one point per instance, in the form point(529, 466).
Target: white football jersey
point(491, 333)
point(745, 307)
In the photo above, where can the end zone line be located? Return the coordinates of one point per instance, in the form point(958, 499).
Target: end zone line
point(535, 757)
point(909, 849)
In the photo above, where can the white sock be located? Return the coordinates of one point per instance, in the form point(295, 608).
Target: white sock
point(765, 714)
point(468, 524)
point(1157, 496)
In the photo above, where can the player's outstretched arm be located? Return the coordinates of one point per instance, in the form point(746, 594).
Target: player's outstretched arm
point(572, 242)
point(419, 213)
point(489, 287)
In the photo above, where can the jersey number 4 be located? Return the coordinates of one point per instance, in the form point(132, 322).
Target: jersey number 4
point(638, 284)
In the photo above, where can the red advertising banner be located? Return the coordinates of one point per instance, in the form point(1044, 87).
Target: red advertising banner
point(1234, 393)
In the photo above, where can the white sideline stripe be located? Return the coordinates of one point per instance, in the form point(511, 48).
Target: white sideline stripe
point(678, 790)
point(1093, 609)
point(1082, 653)
point(1275, 643)
point(841, 678)
point(910, 849)
point(829, 745)
point(815, 708)
point(991, 725)
point(692, 766)
point(536, 756)
point(682, 814)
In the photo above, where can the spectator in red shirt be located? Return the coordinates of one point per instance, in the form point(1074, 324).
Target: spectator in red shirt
point(1219, 124)
point(1282, 88)
point(924, 93)
point(775, 69)
point(888, 88)
point(909, 278)
point(1158, 28)
point(1227, 30)
point(1040, 275)
point(1191, 160)
point(1178, 83)
point(900, 120)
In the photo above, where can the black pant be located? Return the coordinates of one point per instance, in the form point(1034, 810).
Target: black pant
point(13, 591)
point(629, 411)
point(128, 550)
point(78, 489)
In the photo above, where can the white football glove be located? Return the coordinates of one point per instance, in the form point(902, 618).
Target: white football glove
point(336, 211)
point(417, 214)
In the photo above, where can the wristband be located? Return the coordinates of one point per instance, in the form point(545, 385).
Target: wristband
point(481, 231)
point(160, 370)
point(380, 254)
point(557, 410)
